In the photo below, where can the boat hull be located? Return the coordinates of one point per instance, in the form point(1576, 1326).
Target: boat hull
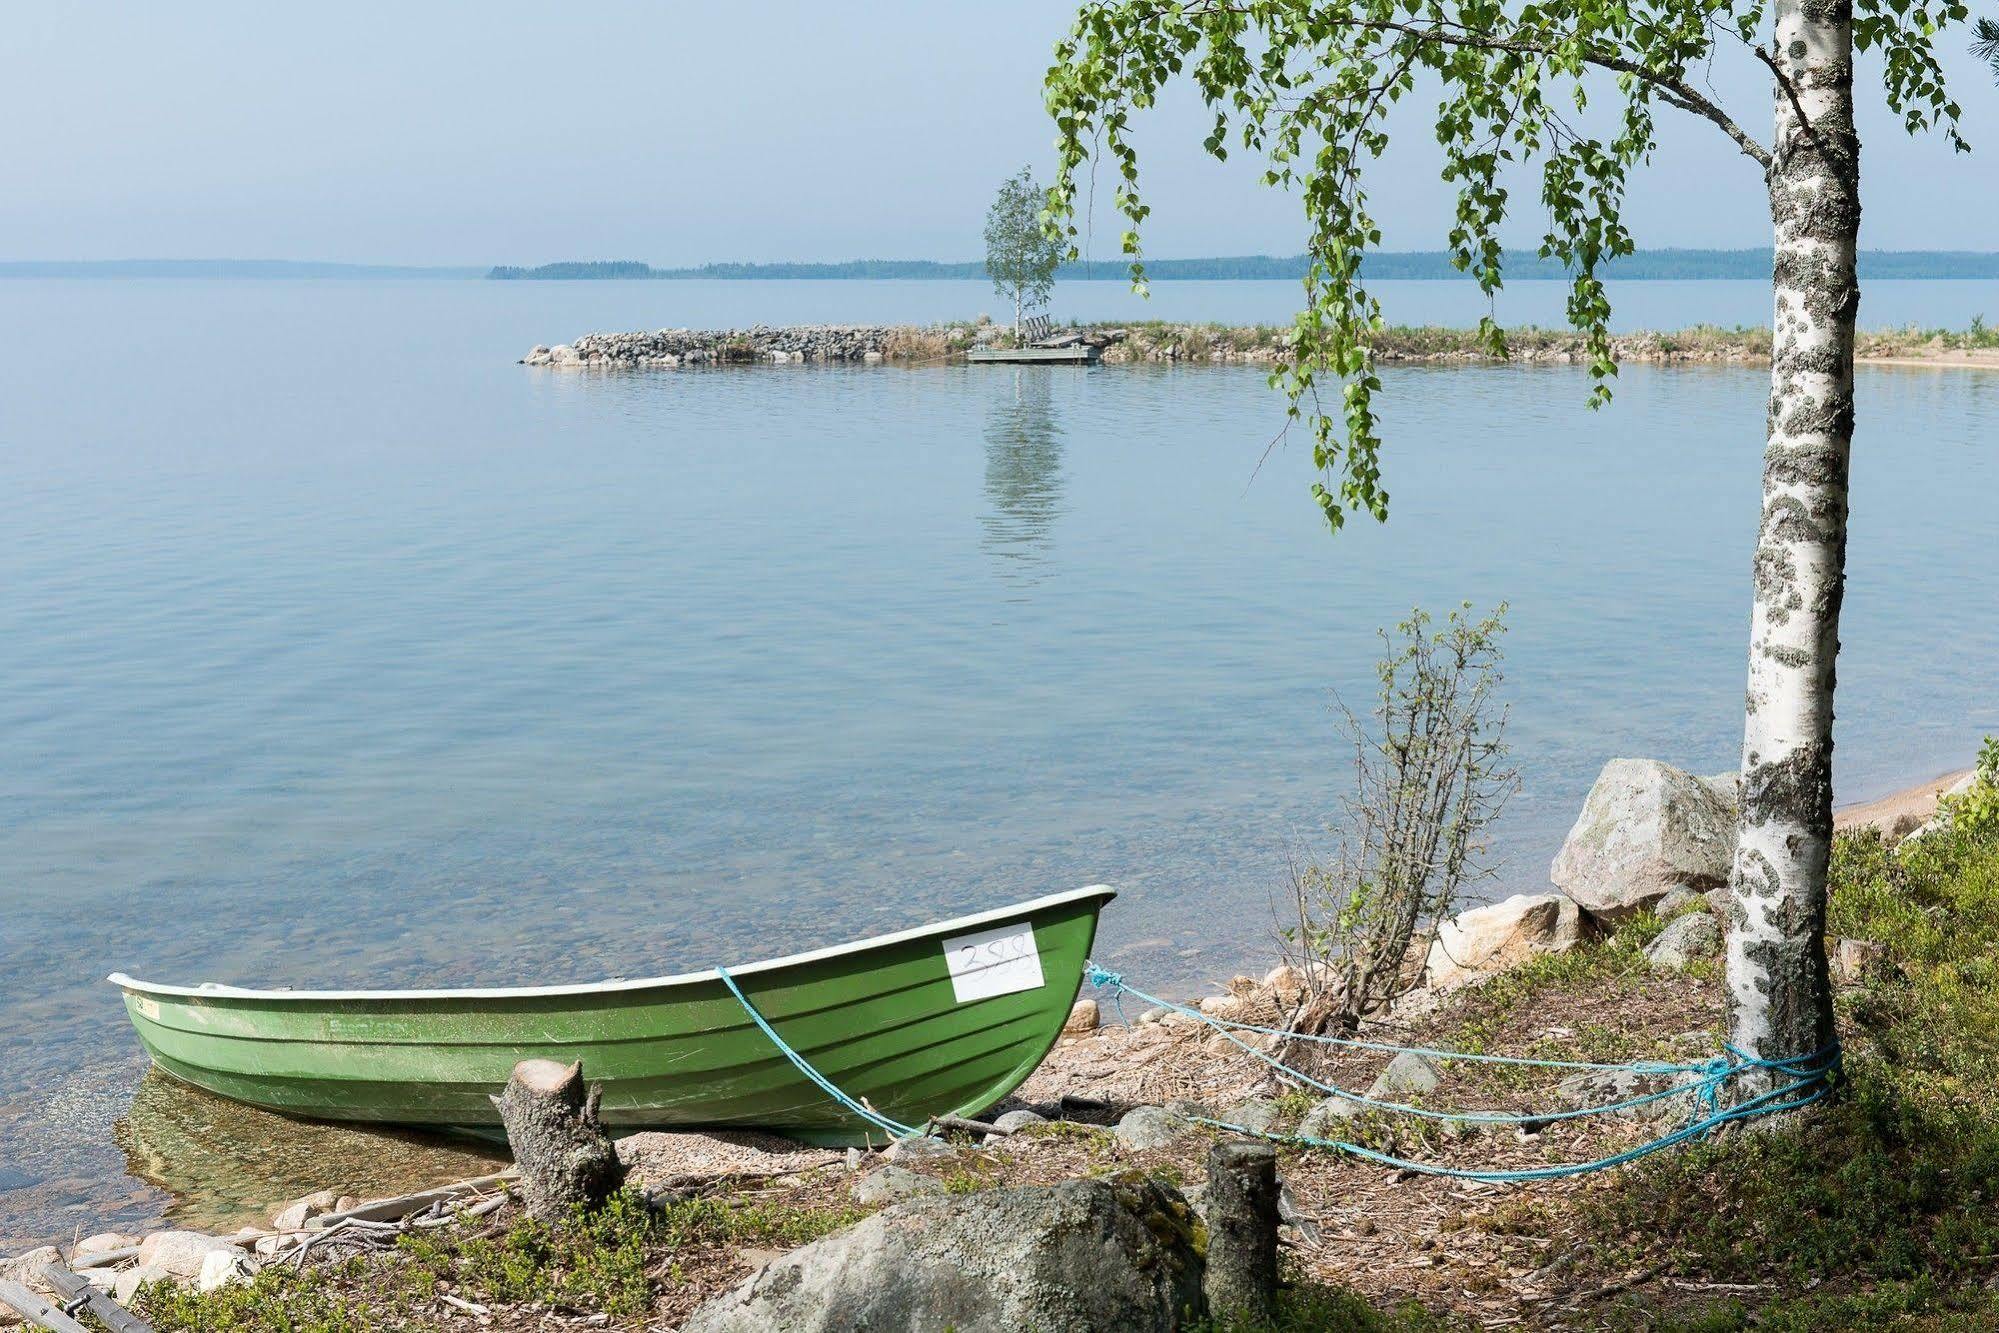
point(888, 1021)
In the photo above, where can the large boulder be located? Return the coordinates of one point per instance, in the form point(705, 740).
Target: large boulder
point(1646, 829)
point(1085, 1254)
point(1502, 935)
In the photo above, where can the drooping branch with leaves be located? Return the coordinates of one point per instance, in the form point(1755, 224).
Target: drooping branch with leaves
point(1569, 92)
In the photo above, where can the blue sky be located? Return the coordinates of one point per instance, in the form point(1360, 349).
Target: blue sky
point(515, 133)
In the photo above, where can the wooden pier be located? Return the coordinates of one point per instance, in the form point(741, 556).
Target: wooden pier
point(1078, 354)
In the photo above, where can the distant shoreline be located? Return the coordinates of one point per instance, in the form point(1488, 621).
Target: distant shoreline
point(1388, 265)
point(1667, 265)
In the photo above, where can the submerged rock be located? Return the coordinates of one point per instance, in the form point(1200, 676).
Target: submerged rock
point(1084, 1254)
point(1646, 829)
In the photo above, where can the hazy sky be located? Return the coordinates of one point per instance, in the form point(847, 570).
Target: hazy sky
point(521, 133)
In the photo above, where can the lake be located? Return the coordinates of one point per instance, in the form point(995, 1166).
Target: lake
point(337, 647)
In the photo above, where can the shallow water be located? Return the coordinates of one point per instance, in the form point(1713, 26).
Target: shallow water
point(337, 646)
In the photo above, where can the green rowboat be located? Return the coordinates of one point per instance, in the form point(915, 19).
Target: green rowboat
point(945, 1019)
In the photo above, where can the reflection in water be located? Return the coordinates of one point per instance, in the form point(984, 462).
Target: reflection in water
point(229, 1165)
point(1023, 471)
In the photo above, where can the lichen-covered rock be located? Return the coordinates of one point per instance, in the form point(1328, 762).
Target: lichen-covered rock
point(1502, 935)
point(1646, 828)
point(1015, 1121)
point(1408, 1075)
point(1258, 1114)
point(1328, 1120)
point(1084, 1254)
point(1152, 1127)
point(892, 1184)
point(922, 1148)
point(1684, 939)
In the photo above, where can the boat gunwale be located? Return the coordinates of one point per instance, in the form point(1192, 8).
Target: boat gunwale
point(1103, 893)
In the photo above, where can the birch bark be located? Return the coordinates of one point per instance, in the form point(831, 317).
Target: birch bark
point(1779, 996)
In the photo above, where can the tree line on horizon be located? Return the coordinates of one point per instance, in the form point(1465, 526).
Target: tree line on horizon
point(1645, 265)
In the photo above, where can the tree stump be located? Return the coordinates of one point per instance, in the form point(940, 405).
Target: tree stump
point(564, 1154)
point(1241, 1207)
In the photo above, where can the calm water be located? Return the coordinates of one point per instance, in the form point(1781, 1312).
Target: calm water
point(333, 645)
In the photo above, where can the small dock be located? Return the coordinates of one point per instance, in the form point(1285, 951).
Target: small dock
point(1079, 354)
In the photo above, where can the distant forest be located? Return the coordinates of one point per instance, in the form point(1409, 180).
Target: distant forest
point(1425, 264)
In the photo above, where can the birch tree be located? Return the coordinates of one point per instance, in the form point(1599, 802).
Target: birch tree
point(1571, 88)
point(1021, 254)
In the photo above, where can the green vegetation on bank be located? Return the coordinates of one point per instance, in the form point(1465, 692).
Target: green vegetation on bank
point(1879, 1209)
point(1647, 265)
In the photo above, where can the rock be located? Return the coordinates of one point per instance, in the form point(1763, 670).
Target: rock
point(1156, 1014)
point(224, 1268)
point(102, 1241)
point(1083, 1254)
point(1152, 1127)
point(1015, 1121)
point(1259, 1114)
point(1084, 1016)
point(1408, 1075)
point(1680, 900)
point(1646, 829)
point(1328, 1120)
point(1285, 984)
point(26, 1269)
point(1603, 1087)
point(921, 1148)
point(292, 1217)
point(1684, 939)
point(892, 1184)
point(181, 1253)
point(126, 1285)
point(1502, 935)
point(1228, 1008)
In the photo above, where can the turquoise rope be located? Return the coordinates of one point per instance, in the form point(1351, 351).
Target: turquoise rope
point(893, 1128)
point(1710, 1073)
point(1810, 1080)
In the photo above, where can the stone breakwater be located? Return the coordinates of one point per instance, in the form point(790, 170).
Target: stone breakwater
point(694, 347)
point(1194, 344)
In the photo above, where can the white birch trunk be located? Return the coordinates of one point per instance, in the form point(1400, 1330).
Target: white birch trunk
point(1779, 997)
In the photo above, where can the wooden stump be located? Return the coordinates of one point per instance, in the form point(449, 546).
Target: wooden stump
point(564, 1154)
point(1241, 1207)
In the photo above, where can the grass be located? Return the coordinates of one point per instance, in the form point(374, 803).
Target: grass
point(1888, 1194)
point(608, 1261)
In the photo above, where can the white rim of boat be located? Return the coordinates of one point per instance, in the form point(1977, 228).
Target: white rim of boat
point(960, 923)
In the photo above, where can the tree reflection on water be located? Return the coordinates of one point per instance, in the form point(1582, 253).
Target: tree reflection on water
point(1024, 484)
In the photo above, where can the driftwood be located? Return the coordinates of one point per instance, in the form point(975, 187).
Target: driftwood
point(38, 1309)
point(104, 1258)
point(1241, 1207)
point(78, 1294)
point(390, 1210)
point(968, 1126)
point(564, 1155)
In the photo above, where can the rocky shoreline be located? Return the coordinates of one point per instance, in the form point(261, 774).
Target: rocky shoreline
point(1214, 344)
point(1619, 960)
